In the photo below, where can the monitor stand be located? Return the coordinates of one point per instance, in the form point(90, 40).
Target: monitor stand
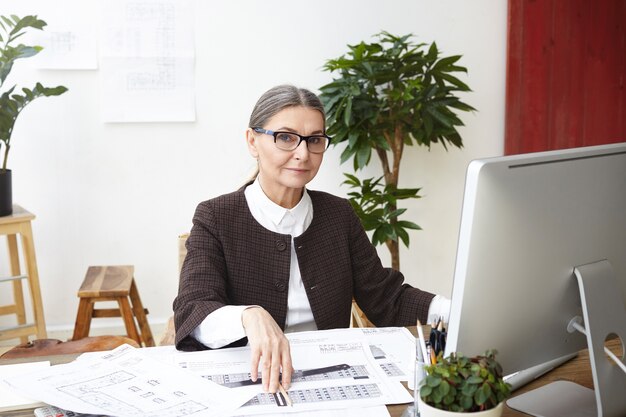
point(604, 314)
point(518, 379)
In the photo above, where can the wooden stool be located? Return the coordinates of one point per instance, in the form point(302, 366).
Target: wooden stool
point(12, 225)
point(112, 283)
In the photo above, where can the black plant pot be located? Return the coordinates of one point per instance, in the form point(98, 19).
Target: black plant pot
point(6, 193)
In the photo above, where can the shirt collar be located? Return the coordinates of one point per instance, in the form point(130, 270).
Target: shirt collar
point(272, 210)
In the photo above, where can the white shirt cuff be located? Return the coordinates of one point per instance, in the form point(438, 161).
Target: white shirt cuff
point(439, 308)
point(222, 327)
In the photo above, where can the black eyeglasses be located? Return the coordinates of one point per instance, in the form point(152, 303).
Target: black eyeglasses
point(288, 141)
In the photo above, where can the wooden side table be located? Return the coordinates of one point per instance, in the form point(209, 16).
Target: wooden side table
point(11, 226)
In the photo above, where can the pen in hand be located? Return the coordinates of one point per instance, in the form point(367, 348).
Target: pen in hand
point(285, 395)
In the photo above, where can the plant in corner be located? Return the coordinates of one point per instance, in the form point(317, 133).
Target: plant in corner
point(389, 94)
point(465, 385)
point(11, 102)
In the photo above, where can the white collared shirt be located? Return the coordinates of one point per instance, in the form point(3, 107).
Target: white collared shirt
point(223, 326)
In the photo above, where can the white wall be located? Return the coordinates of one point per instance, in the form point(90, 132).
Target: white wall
point(121, 193)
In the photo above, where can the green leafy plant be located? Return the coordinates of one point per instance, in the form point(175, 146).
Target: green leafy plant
point(389, 94)
point(463, 384)
point(376, 204)
point(12, 103)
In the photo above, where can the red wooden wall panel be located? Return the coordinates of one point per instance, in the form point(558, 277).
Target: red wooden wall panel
point(567, 108)
point(566, 70)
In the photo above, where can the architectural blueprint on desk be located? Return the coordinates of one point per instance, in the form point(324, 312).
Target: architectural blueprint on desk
point(354, 378)
point(145, 382)
point(393, 348)
point(126, 382)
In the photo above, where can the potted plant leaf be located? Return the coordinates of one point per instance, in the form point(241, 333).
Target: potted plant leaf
point(12, 102)
point(459, 384)
point(387, 95)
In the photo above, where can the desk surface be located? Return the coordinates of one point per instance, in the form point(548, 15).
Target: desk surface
point(577, 370)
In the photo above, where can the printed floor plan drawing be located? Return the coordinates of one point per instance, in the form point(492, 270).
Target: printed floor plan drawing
point(125, 382)
point(91, 392)
point(334, 369)
point(331, 371)
point(316, 374)
point(316, 395)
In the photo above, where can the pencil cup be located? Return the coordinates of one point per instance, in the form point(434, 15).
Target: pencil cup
point(420, 373)
point(414, 383)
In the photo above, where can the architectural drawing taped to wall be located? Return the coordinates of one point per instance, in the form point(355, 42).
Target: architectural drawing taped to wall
point(147, 61)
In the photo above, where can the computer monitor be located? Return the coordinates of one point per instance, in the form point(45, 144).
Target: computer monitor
point(527, 221)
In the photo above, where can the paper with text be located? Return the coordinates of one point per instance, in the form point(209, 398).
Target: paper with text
point(126, 382)
point(351, 376)
point(392, 347)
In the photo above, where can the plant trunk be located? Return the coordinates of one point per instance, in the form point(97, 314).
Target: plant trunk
point(392, 173)
point(394, 250)
point(391, 177)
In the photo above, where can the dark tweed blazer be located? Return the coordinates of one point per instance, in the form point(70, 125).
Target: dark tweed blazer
point(233, 260)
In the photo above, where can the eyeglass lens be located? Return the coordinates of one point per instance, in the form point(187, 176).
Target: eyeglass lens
point(290, 141)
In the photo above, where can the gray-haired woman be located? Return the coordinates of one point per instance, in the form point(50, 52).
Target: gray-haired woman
point(274, 257)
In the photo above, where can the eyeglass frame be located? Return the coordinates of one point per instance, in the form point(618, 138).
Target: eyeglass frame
point(302, 138)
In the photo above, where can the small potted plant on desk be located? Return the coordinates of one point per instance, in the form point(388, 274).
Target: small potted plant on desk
point(458, 384)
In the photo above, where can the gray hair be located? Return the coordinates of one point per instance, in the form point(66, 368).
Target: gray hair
point(280, 97)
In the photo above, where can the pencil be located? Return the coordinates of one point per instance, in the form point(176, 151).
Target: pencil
point(285, 395)
point(422, 343)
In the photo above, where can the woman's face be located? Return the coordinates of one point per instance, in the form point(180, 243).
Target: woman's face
point(283, 172)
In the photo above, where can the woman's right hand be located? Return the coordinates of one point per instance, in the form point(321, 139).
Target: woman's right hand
point(269, 347)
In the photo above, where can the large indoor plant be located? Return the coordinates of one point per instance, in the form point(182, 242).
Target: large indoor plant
point(458, 384)
point(11, 102)
point(389, 94)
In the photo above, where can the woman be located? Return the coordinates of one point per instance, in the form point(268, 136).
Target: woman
point(274, 256)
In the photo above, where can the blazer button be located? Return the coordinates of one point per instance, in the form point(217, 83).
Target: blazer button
point(280, 245)
point(280, 286)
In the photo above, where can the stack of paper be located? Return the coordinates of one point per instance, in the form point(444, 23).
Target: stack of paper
point(10, 400)
point(337, 373)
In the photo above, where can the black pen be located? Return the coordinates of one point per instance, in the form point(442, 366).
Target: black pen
point(441, 336)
